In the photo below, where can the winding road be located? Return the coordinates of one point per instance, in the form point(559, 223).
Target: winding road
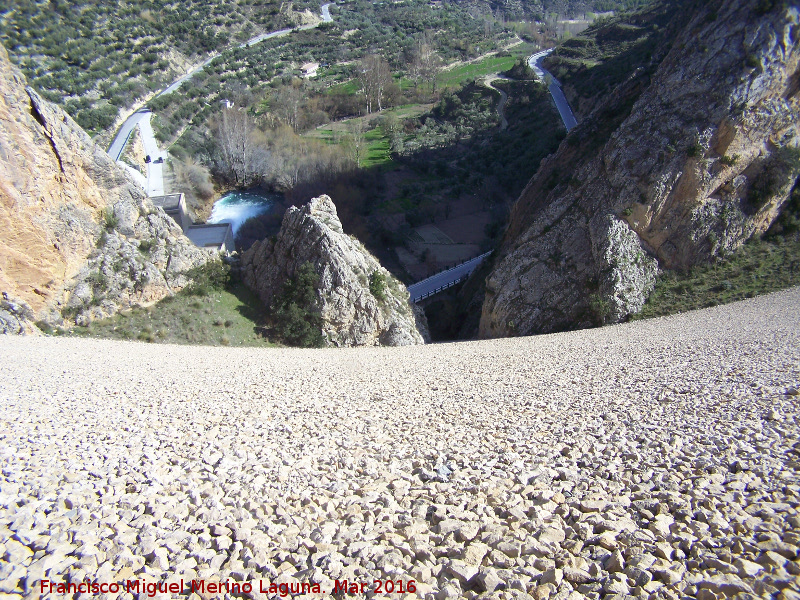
point(326, 18)
point(441, 281)
point(487, 82)
point(535, 63)
point(118, 145)
point(141, 118)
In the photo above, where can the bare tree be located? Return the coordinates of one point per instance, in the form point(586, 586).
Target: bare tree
point(374, 75)
point(287, 102)
point(426, 62)
point(193, 178)
point(240, 156)
point(355, 142)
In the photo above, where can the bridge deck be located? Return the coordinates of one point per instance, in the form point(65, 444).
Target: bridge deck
point(441, 281)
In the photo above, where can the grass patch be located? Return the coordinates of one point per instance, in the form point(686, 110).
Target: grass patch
point(457, 76)
point(348, 88)
point(227, 317)
point(758, 267)
point(377, 149)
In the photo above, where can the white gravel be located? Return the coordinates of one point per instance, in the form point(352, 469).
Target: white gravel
point(656, 459)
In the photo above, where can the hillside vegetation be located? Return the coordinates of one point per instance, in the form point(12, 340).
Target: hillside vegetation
point(591, 64)
point(760, 266)
point(96, 57)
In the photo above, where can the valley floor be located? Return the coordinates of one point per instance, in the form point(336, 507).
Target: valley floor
point(656, 458)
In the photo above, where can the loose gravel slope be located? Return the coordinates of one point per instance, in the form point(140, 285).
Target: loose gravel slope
point(655, 459)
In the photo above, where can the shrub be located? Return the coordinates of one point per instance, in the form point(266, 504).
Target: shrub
point(377, 285)
point(110, 220)
point(779, 170)
point(694, 150)
point(762, 7)
point(98, 281)
point(295, 314)
point(752, 61)
point(212, 275)
point(600, 307)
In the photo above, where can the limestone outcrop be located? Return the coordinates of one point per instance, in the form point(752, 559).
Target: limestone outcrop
point(351, 314)
point(60, 194)
point(16, 317)
point(142, 256)
point(674, 167)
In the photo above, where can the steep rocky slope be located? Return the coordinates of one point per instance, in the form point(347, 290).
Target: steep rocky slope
point(652, 460)
point(670, 169)
point(352, 315)
point(54, 187)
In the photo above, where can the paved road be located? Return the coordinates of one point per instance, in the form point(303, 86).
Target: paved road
point(118, 145)
point(179, 82)
point(445, 279)
point(559, 98)
point(326, 18)
point(153, 181)
point(155, 171)
point(262, 37)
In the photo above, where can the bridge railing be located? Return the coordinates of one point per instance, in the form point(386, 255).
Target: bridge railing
point(440, 288)
point(461, 277)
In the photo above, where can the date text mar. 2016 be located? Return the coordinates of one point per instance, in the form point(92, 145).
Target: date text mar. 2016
point(151, 588)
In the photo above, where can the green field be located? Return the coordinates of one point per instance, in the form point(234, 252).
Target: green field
point(377, 153)
point(458, 76)
point(348, 87)
point(377, 149)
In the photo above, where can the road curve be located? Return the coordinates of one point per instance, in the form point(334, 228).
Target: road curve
point(487, 82)
point(535, 63)
point(118, 145)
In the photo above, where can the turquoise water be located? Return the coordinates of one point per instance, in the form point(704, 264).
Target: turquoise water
point(236, 207)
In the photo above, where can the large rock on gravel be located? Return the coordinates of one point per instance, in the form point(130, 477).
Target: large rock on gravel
point(55, 185)
point(352, 315)
point(684, 160)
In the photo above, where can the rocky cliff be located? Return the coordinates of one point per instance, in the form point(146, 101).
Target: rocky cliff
point(678, 164)
point(69, 215)
point(352, 315)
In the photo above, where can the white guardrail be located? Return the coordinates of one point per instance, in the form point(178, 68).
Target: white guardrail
point(464, 271)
